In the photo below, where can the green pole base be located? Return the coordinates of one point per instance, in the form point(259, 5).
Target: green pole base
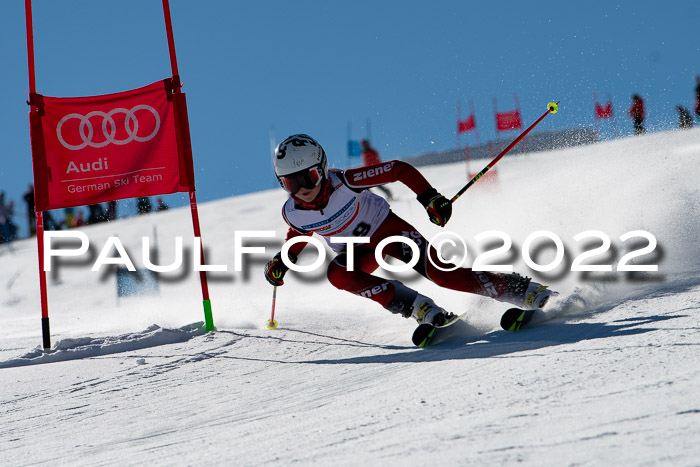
point(208, 318)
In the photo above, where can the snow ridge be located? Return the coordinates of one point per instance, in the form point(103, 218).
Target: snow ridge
point(87, 347)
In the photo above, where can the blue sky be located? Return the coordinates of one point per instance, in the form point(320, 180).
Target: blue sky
point(314, 66)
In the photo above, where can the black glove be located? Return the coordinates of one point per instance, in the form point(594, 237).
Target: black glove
point(276, 269)
point(439, 208)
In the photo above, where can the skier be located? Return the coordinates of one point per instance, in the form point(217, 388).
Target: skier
point(685, 120)
point(336, 203)
point(370, 156)
point(636, 111)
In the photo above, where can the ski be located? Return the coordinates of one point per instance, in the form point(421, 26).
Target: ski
point(425, 333)
point(512, 320)
point(515, 318)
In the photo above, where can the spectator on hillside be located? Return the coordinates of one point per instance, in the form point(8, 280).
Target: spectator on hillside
point(97, 214)
point(7, 228)
point(70, 217)
point(144, 205)
point(637, 114)
point(111, 210)
point(80, 220)
point(49, 222)
point(370, 156)
point(697, 96)
point(31, 213)
point(685, 120)
point(161, 205)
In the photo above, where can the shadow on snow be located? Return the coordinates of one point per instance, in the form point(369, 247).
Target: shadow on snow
point(458, 346)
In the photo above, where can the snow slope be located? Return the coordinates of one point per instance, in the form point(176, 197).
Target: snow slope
point(610, 375)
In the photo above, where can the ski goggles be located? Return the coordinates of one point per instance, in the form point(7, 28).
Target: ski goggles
point(308, 178)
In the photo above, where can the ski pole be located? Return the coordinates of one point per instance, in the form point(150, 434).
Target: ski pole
point(552, 107)
point(272, 324)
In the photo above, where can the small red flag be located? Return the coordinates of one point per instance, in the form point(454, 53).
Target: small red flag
point(508, 120)
point(603, 112)
point(466, 125)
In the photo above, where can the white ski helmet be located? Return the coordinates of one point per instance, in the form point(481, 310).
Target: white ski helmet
point(300, 162)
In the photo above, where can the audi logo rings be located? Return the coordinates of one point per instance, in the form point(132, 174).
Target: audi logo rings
point(109, 127)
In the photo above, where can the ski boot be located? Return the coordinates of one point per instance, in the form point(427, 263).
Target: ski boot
point(425, 311)
point(410, 304)
point(523, 292)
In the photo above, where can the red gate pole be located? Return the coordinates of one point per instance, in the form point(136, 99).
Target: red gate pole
point(476, 128)
point(466, 157)
point(45, 329)
point(459, 119)
point(520, 114)
point(30, 44)
point(495, 115)
point(595, 113)
point(613, 114)
point(208, 318)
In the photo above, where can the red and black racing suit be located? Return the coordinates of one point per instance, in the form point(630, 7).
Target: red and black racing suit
point(392, 294)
